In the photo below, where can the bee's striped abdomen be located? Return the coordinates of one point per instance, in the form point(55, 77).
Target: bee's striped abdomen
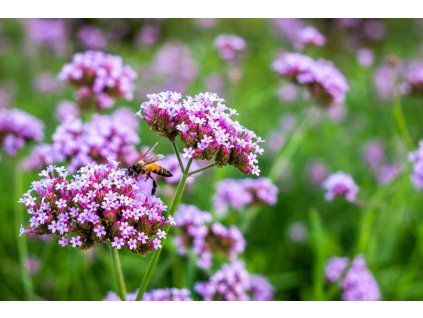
point(155, 168)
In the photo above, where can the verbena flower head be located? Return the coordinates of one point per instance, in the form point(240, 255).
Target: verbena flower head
point(229, 46)
point(416, 158)
point(335, 267)
point(297, 232)
point(340, 184)
point(317, 172)
point(233, 282)
point(51, 33)
point(206, 238)
point(239, 193)
point(17, 128)
point(164, 294)
point(365, 57)
point(99, 77)
point(80, 143)
point(414, 77)
point(359, 283)
point(92, 38)
point(66, 110)
point(148, 35)
point(309, 36)
point(374, 153)
point(205, 126)
point(322, 79)
point(97, 204)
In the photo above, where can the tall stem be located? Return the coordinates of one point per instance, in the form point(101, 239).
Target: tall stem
point(21, 241)
point(400, 119)
point(119, 274)
point(175, 148)
point(156, 254)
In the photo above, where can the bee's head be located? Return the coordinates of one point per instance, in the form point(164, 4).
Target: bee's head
point(130, 171)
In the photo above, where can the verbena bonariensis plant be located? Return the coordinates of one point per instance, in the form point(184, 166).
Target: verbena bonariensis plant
point(205, 126)
point(100, 78)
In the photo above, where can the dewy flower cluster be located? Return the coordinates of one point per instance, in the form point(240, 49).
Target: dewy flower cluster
point(99, 77)
point(164, 294)
point(340, 184)
point(239, 193)
point(96, 204)
point(205, 125)
point(357, 282)
point(416, 158)
point(16, 128)
point(323, 80)
point(80, 143)
point(229, 46)
point(233, 282)
point(206, 238)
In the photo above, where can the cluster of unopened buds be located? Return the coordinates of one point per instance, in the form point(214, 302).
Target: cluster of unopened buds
point(100, 203)
point(206, 128)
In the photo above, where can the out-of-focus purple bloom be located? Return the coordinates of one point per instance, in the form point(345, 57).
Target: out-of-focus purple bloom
point(4, 98)
point(92, 38)
point(374, 29)
point(105, 136)
point(67, 110)
point(322, 79)
point(277, 138)
point(360, 31)
point(32, 265)
point(365, 56)
point(51, 33)
point(232, 282)
point(41, 155)
point(205, 23)
point(359, 283)
point(416, 158)
point(335, 267)
point(205, 125)
point(148, 35)
point(299, 34)
point(374, 153)
point(165, 294)
point(317, 172)
point(288, 92)
point(47, 83)
point(413, 77)
point(17, 128)
point(204, 237)
point(384, 80)
point(297, 232)
point(215, 83)
point(99, 76)
point(239, 193)
point(229, 46)
point(95, 205)
point(387, 172)
point(340, 184)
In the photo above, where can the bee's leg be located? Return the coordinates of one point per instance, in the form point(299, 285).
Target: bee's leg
point(153, 191)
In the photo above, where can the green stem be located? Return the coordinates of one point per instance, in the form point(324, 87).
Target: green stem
point(400, 119)
point(119, 274)
point(175, 148)
point(317, 234)
point(201, 169)
point(22, 242)
point(156, 254)
point(249, 217)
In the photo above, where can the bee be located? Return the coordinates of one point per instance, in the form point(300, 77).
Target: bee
point(146, 165)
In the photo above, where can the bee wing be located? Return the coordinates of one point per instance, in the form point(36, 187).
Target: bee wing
point(149, 151)
point(153, 158)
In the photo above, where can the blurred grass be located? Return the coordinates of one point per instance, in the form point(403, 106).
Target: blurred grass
point(392, 231)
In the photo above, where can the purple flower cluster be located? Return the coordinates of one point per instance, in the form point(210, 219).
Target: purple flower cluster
point(298, 34)
point(148, 35)
point(340, 184)
point(323, 80)
point(229, 46)
point(18, 127)
point(97, 204)
point(67, 110)
point(317, 172)
point(105, 136)
point(164, 294)
point(92, 38)
point(99, 78)
point(239, 193)
point(357, 281)
point(205, 125)
point(413, 77)
point(233, 282)
point(416, 157)
point(206, 238)
point(51, 33)
point(384, 79)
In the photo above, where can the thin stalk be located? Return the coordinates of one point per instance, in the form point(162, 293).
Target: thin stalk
point(156, 254)
point(201, 169)
point(21, 241)
point(119, 274)
point(175, 148)
point(400, 119)
point(249, 217)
